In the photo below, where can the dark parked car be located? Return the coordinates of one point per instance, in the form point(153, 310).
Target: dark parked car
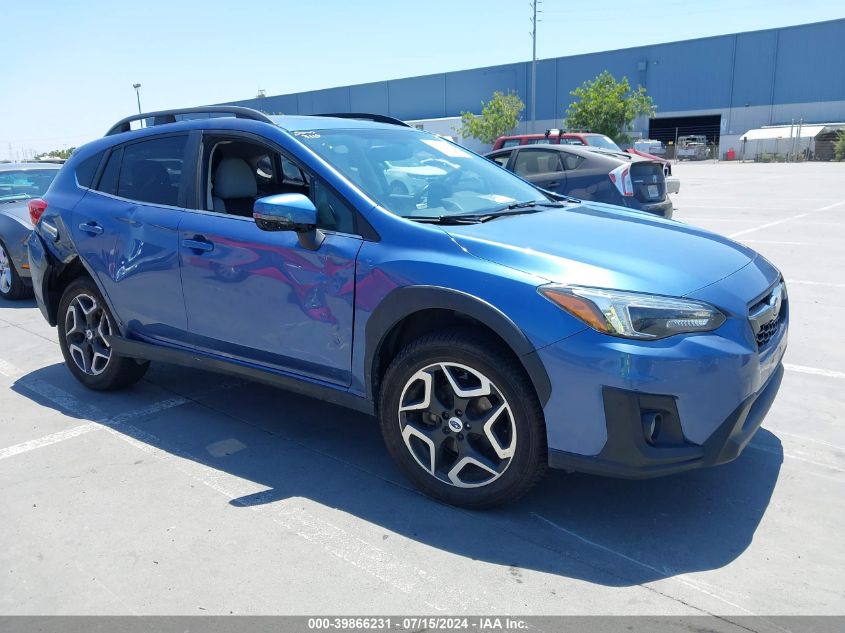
point(591, 174)
point(19, 183)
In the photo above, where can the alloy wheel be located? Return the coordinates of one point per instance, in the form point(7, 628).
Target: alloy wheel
point(457, 425)
point(5, 272)
point(86, 327)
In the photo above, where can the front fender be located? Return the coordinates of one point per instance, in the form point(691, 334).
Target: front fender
point(406, 300)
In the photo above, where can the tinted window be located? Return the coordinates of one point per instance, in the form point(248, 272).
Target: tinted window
point(511, 142)
point(529, 163)
point(151, 171)
point(25, 184)
point(502, 159)
point(87, 169)
point(108, 181)
point(571, 161)
point(333, 214)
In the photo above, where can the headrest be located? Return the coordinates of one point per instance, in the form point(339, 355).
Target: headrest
point(234, 179)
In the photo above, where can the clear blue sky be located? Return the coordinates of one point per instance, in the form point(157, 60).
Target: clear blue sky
point(68, 67)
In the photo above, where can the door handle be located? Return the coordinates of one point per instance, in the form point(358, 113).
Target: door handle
point(199, 243)
point(91, 227)
point(553, 184)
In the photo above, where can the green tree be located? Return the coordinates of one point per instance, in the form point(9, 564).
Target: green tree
point(839, 148)
point(498, 116)
point(57, 153)
point(608, 106)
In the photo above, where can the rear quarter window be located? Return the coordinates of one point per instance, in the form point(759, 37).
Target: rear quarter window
point(87, 169)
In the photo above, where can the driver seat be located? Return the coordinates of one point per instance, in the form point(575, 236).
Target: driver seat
point(234, 188)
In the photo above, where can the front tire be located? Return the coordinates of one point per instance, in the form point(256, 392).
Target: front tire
point(84, 323)
point(461, 418)
point(12, 286)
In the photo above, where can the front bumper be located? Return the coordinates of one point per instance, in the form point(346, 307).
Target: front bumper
point(711, 389)
point(627, 454)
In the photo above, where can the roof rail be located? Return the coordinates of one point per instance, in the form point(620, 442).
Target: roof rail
point(363, 116)
point(163, 117)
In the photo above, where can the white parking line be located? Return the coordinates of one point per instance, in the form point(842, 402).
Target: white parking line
point(788, 219)
point(829, 284)
point(665, 574)
point(814, 371)
point(776, 242)
point(47, 440)
point(77, 408)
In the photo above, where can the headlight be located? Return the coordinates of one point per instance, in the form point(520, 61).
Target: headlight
point(632, 314)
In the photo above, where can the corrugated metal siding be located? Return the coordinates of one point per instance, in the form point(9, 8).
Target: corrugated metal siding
point(780, 66)
point(809, 63)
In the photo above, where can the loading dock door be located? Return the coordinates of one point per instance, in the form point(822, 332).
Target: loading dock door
point(669, 128)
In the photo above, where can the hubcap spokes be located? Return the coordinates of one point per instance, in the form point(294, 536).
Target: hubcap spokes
point(86, 327)
point(457, 425)
point(5, 272)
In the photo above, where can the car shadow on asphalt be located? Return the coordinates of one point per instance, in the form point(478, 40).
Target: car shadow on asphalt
point(607, 531)
point(18, 304)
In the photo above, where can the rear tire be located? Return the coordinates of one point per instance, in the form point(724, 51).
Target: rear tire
point(84, 321)
point(12, 286)
point(461, 419)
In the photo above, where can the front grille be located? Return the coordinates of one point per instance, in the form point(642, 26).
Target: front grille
point(768, 314)
point(767, 331)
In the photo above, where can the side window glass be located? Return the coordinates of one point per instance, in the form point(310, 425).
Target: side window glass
point(333, 213)
point(530, 163)
point(291, 174)
point(87, 169)
point(108, 181)
point(152, 170)
point(502, 159)
point(571, 161)
point(511, 142)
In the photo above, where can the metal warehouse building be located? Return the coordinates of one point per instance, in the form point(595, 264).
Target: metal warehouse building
point(722, 86)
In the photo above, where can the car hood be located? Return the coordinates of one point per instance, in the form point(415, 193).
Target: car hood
point(606, 246)
point(18, 210)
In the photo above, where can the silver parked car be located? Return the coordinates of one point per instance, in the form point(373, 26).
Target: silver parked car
point(19, 183)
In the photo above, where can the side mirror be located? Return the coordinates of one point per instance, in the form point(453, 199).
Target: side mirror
point(289, 212)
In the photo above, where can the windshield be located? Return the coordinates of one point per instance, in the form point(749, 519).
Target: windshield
point(600, 140)
point(25, 183)
point(418, 175)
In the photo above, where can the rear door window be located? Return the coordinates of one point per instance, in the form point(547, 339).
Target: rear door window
point(151, 171)
point(533, 162)
point(501, 159)
point(108, 181)
point(571, 161)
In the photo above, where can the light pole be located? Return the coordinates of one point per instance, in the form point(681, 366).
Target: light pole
point(138, 95)
point(534, 4)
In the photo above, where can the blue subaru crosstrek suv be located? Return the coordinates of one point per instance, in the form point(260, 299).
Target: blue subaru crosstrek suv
point(495, 329)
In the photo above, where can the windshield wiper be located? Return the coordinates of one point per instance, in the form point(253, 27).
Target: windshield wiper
point(444, 219)
point(514, 208)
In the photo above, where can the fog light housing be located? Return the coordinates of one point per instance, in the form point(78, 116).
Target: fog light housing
point(652, 422)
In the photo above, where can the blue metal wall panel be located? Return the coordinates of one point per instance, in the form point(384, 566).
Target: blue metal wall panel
point(418, 97)
point(710, 73)
point(466, 89)
point(754, 68)
point(692, 75)
point(810, 63)
point(331, 100)
point(369, 98)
